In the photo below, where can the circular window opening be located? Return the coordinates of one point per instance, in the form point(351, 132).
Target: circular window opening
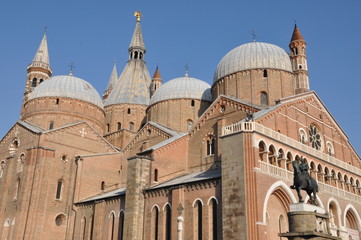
point(60, 219)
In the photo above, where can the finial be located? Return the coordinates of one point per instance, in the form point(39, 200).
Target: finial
point(138, 15)
point(186, 67)
point(71, 65)
point(253, 33)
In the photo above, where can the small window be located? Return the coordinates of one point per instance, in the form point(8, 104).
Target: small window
point(2, 168)
point(192, 103)
point(264, 98)
point(108, 127)
point(210, 146)
point(189, 124)
point(119, 126)
point(265, 73)
point(135, 55)
point(34, 82)
point(299, 66)
point(155, 175)
point(296, 50)
point(57, 101)
point(129, 110)
point(21, 162)
point(102, 186)
point(51, 125)
point(41, 80)
point(131, 126)
point(58, 189)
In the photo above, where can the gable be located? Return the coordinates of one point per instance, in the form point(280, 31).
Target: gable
point(295, 116)
point(81, 137)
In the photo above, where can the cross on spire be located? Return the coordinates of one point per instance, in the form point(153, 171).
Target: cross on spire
point(186, 67)
point(71, 65)
point(253, 33)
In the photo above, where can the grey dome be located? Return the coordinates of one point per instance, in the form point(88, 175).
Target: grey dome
point(253, 55)
point(183, 87)
point(68, 87)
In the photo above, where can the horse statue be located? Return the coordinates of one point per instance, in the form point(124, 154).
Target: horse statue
point(302, 180)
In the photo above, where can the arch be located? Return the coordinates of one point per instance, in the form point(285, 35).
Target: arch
point(327, 175)
point(131, 126)
point(289, 161)
point(210, 199)
point(155, 222)
point(111, 226)
point(197, 199)
point(263, 98)
point(335, 210)
point(198, 219)
point(320, 173)
point(281, 185)
point(121, 224)
point(352, 185)
point(281, 158)
point(333, 178)
point(119, 126)
point(168, 221)
point(330, 149)
point(21, 162)
point(303, 135)
point(262, 151)
point(272, 155)
point(346, 182)
point(313, 169)
point(352, 210)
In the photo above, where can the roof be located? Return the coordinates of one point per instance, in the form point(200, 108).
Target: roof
point(183, 88)
point(114, 193)
point(113, 78)
point(254, 55)
point(41, 58)
point(137, 39)
point(189, 178)
point(296, 36)
point(68, 87)
point(30, 126)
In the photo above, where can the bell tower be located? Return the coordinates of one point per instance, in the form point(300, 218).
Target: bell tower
point(39, 70)
point(299, 61)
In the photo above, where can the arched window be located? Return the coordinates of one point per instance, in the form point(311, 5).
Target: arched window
point(51, 125)
point(131, 126)
point(34, 82)
point(129, 110)
point(108, 127)
point(111, 227)
point(198, 220)
point(303, 135)
point(121, 225)
point(102, 186)
point(155, 222)
point(262, 152)
point(58, 189)
point(119, 126)
point(156, 175)
point(330, 149)
point(135, 55)
point(21, 162)
point(140, 55)
point(289, 162)
point(351, 220)
point(189, 124)
point(265, 74)
point(17, 189)
point(192, 103)
point(272, 155)
point(168, 222)
point(214, 218)
point(264, 98)
point(210, 145)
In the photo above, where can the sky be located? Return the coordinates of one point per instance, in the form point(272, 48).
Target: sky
point(93, 34)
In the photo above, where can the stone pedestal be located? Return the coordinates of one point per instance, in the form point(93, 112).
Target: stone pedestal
point(308, 222)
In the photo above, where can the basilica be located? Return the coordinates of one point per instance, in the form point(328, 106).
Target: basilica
point(175, 160)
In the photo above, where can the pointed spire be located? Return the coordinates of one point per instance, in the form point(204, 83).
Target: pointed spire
point(42, 55)
point(137, 39)
point(157, 74)
point(111, 82)
point(296, 36)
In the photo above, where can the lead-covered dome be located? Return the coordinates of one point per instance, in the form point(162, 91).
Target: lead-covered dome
point(68, 87)
point(183, 88)
point(254, 55)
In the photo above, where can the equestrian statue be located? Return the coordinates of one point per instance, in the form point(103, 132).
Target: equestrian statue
point(302, 180)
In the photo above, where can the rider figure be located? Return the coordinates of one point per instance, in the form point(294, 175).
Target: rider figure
point(304, 170)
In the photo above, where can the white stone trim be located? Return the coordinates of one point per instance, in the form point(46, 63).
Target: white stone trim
point(194, 202)
point(353, 209)
point(209, 200)
point(167, 203)
point(112, 212)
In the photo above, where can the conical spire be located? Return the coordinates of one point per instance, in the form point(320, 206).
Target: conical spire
point(113, 78)
point(296, 36)
point(42, 55)
point(136, 47)
point(157, 74)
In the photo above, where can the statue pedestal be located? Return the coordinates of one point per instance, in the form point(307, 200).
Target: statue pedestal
point(308, 222)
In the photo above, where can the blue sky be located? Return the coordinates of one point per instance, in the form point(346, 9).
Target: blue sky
point(93, 34)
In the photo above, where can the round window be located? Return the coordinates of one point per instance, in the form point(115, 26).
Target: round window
point(60, 219)
point(315, 137)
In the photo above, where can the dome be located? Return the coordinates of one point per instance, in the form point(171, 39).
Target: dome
point(253, 55)
point(68, 87)
point(184, 87)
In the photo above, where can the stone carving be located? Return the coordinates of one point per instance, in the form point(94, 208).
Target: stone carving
point(302, 180)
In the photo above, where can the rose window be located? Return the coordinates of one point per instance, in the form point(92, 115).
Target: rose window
point(315, 137)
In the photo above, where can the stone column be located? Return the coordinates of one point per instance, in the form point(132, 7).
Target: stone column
point(138, 177)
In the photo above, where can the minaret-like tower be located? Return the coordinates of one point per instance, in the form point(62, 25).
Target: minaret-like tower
point(156, 81)
point(112, 80)
point(39, 70)
point(299, 61)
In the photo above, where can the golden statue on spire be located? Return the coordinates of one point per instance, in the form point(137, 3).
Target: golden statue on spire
point(138, 14)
